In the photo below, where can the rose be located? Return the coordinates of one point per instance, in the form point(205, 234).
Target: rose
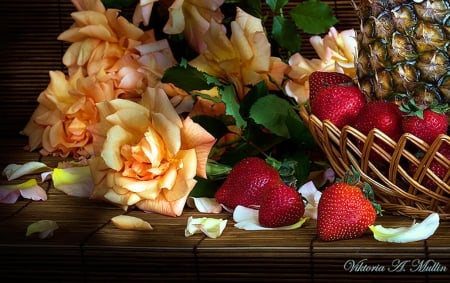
point(147, 155)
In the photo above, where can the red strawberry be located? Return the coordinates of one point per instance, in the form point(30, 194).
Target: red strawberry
point(281, 206)
point(383, 115)
point(319, 80)
point(436, 167)
point(247, 182)
point(339, 104)
point(426, 124)
point(343, 212)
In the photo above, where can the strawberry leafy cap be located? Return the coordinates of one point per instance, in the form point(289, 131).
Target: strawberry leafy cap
point(353, 177)
point(412, 109)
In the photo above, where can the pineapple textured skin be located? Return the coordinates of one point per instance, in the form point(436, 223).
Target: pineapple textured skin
point(404, 50)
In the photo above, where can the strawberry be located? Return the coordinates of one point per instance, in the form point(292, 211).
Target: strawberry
point(319, 80)
point(426, 123)
point(439, 169)
point(281, 206)
point(344, 212)
point(246, 183)
point(339, 104)
point(382, 115)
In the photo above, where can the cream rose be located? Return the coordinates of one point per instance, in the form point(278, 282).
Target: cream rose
point(148, 156)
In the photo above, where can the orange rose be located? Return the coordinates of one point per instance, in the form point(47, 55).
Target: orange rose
point(150, 156)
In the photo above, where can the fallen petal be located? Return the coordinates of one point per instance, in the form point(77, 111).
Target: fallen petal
point(204, 204)
point(28, 189)
point(312, 196)
point(415, 232)
point(45, 228)
point(211, 227)
point(14, 171)
point(126, 222)
point(74, 181)
point(247, 219)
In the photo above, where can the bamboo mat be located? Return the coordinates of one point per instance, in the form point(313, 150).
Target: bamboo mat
point(88, 248)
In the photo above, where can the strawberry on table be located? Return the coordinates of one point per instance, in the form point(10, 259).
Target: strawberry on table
point(246, 183)
point(281, 206)
point(339, 104)
point(343, 211)
point(319, 80)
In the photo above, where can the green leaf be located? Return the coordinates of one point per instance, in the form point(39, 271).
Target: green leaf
point(204, 188)
point(313, 16)
point(276, 5)
point(214, 126)
point(231, 105)
point(271, 111)
point(285, 33)
point(187, 78)
point(256, 92)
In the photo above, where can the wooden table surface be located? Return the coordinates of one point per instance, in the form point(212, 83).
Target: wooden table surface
point(88, 248)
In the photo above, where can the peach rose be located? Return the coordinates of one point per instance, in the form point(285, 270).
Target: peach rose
point(244, 59)
point(149, 156)
point(66, 111)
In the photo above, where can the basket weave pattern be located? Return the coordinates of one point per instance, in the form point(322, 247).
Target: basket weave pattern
point(396, 190)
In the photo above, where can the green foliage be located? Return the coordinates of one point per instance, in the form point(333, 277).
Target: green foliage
point(313, 16)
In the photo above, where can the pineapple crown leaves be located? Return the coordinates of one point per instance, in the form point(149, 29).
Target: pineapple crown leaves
point(412, 109)
point(353, 177)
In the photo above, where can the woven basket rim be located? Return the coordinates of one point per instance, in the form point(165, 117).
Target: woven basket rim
point(396, 190)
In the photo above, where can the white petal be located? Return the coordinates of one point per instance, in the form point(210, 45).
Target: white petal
point(247, 219)
point(14, 171)
point(211, 227)
point(204, 204)
point(415, 232)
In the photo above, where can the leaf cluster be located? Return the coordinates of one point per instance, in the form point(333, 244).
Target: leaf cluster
point(269, 123)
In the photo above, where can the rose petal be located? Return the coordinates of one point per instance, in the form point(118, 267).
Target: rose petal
point(312, 196)
point(45, 228)
point(127, 222)
point(14, 171)
point(28, 189)
point(415, 232)
point(74, 181)
point(204, 204)
point(247, 219)
point(211, 227)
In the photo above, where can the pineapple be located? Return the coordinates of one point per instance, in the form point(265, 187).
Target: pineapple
point(403, 50)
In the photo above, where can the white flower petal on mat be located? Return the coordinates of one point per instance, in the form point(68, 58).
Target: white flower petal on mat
point(415, 232)
point(14, 171)
point(204, 204)
point(211, 227)
point(45, 228)
point(127, 222)
point(312, 196)
point(248, 219)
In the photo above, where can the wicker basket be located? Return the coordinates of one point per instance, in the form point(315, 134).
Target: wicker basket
point(394, 188)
